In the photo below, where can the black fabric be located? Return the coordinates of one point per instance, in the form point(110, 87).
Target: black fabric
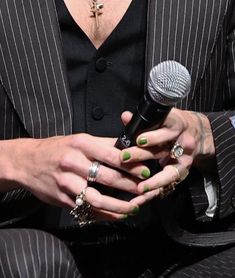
point(114, 73)
point(99, 78)
point(217, 263)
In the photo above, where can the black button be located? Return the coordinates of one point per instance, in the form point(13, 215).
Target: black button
point(97, 113)
point(101, 65)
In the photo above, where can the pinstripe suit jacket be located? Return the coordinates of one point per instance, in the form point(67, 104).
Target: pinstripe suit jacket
point(200, 34)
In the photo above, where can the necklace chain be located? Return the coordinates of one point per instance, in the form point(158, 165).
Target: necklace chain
point(96, 10)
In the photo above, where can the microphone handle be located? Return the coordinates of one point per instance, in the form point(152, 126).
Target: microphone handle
point(148, 115)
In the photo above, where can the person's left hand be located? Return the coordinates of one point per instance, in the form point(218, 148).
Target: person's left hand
point(191, 131)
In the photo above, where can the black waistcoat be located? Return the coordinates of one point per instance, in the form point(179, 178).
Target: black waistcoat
point(106, 81)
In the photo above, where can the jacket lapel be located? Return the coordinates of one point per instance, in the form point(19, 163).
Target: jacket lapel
point(185, 31)
point(33, 70)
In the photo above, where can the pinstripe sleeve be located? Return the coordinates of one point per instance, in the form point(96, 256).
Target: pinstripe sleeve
point(223, 127)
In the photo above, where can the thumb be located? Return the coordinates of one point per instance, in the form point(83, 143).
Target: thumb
point(126, 117)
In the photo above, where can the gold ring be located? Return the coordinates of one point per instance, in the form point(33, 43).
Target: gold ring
point(166, 190)
point(181, 171)
point(82, 212)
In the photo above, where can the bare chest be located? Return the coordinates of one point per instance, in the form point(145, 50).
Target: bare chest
point(97, 19)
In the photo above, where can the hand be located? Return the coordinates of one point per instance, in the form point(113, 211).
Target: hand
point(192, 130)
point(55, 170)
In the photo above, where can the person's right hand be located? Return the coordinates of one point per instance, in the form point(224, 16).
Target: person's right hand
point(55, 170)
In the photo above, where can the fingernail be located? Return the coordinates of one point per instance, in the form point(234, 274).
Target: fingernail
point(124, 216)
point(126, 156)
point(142, 141)
point(135, 210)
point(145, 173)
point(146, 189)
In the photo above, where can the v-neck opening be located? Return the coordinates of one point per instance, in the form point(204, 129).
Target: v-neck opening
point(116, 28)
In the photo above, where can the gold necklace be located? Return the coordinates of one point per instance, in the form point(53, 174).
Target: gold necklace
point(96, 8)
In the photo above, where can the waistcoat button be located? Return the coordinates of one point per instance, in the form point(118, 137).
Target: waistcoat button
point(97, 113)
point(101, 64)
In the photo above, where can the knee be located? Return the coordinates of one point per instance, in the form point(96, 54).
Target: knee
point(33, 253)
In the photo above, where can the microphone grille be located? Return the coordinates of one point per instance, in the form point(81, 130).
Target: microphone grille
point(169, 82)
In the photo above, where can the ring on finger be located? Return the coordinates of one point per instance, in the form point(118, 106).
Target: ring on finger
point(93, 172)
point(166, 190)
point(181, 172)
point(176, 151)
point(82, 212)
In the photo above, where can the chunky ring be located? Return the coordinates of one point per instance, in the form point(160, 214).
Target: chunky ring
point(176, 151)
point(93, 171)
point(181, 171)
point(82, 212)
point(166, 190)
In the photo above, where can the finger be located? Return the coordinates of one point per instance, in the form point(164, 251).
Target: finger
point(106, 154)
point(168, 175)
point(126, 117)
point(116, 179)
point(146, 197)
point(107, 215)
point(136, 154)
point(158, 137)
point(108, 203)
point(71, 183)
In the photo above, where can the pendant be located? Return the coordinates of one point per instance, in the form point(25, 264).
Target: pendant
point(96, 8)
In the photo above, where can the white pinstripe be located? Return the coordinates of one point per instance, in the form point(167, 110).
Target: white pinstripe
point(11, 91)
point(51, 63)
point(23, 77)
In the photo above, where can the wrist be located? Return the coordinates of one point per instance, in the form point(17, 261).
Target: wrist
point(12, 156)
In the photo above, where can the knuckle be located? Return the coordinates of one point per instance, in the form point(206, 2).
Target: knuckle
point(97, 202)
point(65, 161)
point(62, 182)
point(112, 158)
point(191, 142)
point(80, 140)
point(115, 179)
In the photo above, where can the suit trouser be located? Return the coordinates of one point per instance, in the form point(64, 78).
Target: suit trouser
point(208, 263)
point(149, 255)
point(28, 253)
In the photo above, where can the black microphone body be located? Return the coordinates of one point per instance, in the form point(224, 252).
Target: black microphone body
point(148, 115)
point(169, 82)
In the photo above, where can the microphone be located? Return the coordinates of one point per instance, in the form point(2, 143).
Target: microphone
point(168, 83)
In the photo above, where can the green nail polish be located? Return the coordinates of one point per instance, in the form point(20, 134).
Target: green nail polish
point(146, 189)
point(135, 210)
point(145, 173)
point(126, 156)
point(142, 141)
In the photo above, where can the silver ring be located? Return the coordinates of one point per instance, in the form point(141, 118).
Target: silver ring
point(82, 212)
point(93, 171)
point(177, 150)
